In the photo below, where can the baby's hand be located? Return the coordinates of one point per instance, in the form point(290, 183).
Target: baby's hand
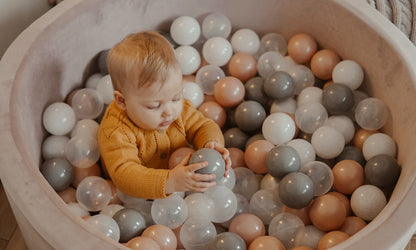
point(183, 177)
point(223, 151)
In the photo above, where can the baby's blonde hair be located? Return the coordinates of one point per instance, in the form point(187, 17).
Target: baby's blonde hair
point(139, 60)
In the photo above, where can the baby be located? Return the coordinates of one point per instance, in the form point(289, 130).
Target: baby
point(149, 119)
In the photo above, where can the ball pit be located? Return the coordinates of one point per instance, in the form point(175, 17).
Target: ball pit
point(59, 52)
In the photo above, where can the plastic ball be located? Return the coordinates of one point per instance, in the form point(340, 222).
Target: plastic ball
point(367, 201)
point(130, 222)
point(270, 62)
point(207, 76)
point(279, 85)
point(378, 144)
point(246, 182)
point(264, 205)
point(68, 195)
point(229, 91)
point(93, 193)
point(255, 91)
point(54, 146)
point(111, 209)
point(217, 51)
point(284, 227)
point(296, 190)
point(143, 242)
point(82, 173)
point(256, 154)
point(382, 171)
point(282, 160)
point(327, 212)
point(236, 138)
point(279, 128)
point(93, 80)
point(58, 118)
point(248, 227)
point(237, 157)
point(216, 164)
point(58, 172)
point(229, 180)
point(216, 24)
point(352, 225)
point(351, 153)
point(309, 94)
point(344, 125)
point(273, 42)
point(197, 233)
point(214, 111)
point(348, 72)
point(249, 116)
point(242, 66)
point(308, 236)
point(321, 176)
point(87, 104)
point(301, 47)
point(348, 176)
point(245, 40)
point(305, 150)
point(225, 203)
point(302, 77)
point(106, 225)
point(200, 206)
point(82, 151)
point(310, 116)
point(337, 99)
point(269, 182)
point(371, 113)
point(228, 241)
point(177, 156)
point(193, 92)
point(287, 105)
point(361, 136)
point(171, 211)
point(85, 127)
point(266, 242)
point(332, 239)
point(328, 142)
point(163, 235)
point(185, 30)
point(323, 63)
point(105, 89)
point(188, 58)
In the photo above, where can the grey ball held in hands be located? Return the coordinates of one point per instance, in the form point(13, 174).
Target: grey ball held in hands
point(216, 164)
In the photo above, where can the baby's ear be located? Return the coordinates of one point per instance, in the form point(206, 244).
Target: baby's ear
point(119, 100)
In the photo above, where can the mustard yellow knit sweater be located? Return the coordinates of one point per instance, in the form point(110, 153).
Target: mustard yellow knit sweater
point(137, 159)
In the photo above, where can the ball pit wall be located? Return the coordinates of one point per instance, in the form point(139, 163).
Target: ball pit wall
point(58, 52)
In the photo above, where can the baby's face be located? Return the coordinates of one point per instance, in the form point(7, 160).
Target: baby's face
point(157, 106)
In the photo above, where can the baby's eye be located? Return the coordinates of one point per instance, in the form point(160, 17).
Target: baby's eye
point(177, 98)
point(153, 106)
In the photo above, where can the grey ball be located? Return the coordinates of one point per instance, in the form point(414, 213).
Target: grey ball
point(382, 171)
point(216, 164)
point(279, 85)
point(131, 223)
point(282, 160)
point(228, 241)
point(249, 116)
point(337, 99)
point(235, 138)
point(58, 172)
point(296, 190)
point(255, 91)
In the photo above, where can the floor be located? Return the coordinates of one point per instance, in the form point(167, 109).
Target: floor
point(11, 237)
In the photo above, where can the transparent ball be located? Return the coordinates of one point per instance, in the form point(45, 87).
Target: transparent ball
point(246, 182)
point(216, 24)
point(287, 105)
point(302, 77)
point(273, 42)
point(217, 51)
point(225, 203)
point(270, 62)
point(85, 127)
point(321, 176)
point(309, 94)
point(328, 142)
point(343, 124)
point(59, 118)
point(309, 236)
point(264, 205)
point(171, 211)
point(228, 181)
point(185, 30)
point(111, 209)
point(87, 103)
point(371, 113)
point(245, 40)
point(200, 206)
point(188, 58)
point(93, 193)
point(82, 151)
point(305, 150)
point(197, 233)
point(310, 116)
point(284, 227)
point(106, 225)
point(207, 76)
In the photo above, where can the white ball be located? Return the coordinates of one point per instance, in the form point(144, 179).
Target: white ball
point(217, 51)
point(305, 150)
point(348, 72)
point(328, 142)
point(343, 124)
point(245, 40)
point(216, 24)
point(54, 146)
point(194, 93)
point(309, 94)
point(278, 128)
point(77, 209)
point(377, 144)
point(185, 30)
point(188, 58)
point(367, 201)
point(93, 80)
point(105, 89)
point(58, 118)
point(287, 105)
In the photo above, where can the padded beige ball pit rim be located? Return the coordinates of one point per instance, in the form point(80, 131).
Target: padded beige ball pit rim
point(53, 56)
